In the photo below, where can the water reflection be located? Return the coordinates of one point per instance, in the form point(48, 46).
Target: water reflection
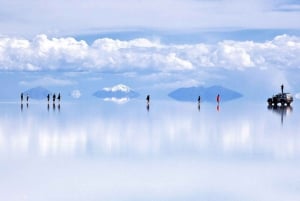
point(281, 110)
point(176, 130)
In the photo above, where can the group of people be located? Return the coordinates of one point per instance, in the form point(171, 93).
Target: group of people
point(218, 99)
point(22, 97)
point(218, 102)
point(48, 97)
point(54, 98)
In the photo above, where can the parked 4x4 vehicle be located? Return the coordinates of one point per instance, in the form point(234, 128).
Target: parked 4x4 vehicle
point(282, 98)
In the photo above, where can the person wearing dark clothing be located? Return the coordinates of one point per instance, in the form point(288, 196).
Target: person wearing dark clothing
point(48, 97)
point(27, 98)
point(199, 99)
point(282, 88)
point(22, 96)
point(58, 97)
point(148, 99)
point(54, 97)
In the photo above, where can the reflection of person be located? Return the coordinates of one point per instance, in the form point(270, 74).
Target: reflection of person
point(282, 88)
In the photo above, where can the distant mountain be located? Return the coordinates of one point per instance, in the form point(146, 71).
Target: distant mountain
point(38, 93)
point(208, 94)
point(118, 92)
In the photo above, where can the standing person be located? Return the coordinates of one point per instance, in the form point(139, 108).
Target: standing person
point(218, 98)
point(27, 99)
point(54, 97)
point(282, 88)
point(199, 99)
point(48, 97)
point(22, 98)
point(148, 99)
point(148, 102)
point(58, 97)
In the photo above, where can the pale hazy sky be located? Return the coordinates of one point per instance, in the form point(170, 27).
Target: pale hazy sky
point(34, 37)
point(56, 17)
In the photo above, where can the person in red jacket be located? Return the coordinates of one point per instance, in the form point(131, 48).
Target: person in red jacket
point(218, 98)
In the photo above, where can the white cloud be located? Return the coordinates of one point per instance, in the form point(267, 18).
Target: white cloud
point(119, 87)
point(68, 54)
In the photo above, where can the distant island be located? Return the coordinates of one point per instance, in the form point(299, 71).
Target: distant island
point(119, 91)
point(207, 94)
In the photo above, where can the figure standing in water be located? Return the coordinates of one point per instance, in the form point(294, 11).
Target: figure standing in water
point(58, 98)
point(218, 101)
point(27, 99)
point(282, 89)
point(148, 102)
point(218, 98)
point(48, 97)
point(199, 100)
point(22, 96)
point(54, 97)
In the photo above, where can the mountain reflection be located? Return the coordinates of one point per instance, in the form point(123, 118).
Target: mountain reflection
point(161, 132)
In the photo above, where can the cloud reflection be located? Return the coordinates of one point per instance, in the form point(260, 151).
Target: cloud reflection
point(163, 132)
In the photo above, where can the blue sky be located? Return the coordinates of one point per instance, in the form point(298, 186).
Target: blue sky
point(151, 45)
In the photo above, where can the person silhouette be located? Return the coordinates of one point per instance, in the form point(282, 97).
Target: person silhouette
point(58, 97)
point(199, 99)
point(218, 98)
point(22, 96)
point(218, 101)
point(54, 97)
point(27, 98)
point(48, 97)
point(282, 88)
point(148, 99)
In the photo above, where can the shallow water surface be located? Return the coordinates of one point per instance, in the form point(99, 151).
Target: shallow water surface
point(170, 151)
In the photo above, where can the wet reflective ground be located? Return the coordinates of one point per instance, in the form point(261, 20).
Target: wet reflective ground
point(169, 151)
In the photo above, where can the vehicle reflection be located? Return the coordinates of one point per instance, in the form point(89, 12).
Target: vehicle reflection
point(282, 110)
